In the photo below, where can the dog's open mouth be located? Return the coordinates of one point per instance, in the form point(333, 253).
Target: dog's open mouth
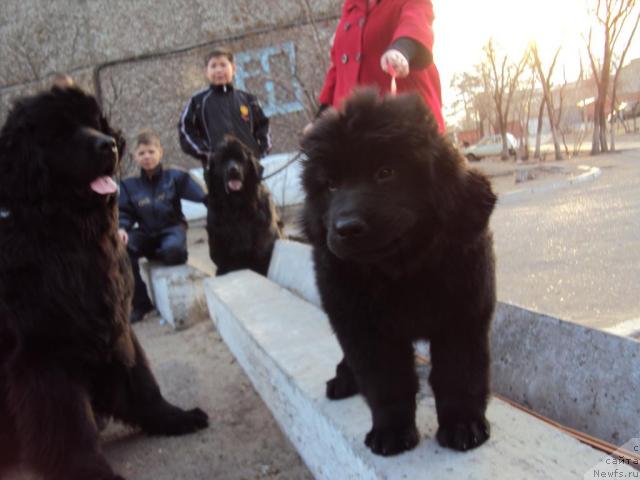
point(234, 185)
point(104, 185)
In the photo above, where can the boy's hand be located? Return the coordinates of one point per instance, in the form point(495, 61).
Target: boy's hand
point(122, 233)
point(397, 61)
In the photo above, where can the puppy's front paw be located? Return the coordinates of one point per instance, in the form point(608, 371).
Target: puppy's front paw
point(341, 387)
point(387, 441)
point(175, 421)
point(463, 435)
point(195, 419)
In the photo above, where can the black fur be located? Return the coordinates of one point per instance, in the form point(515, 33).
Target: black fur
point(242, 225)
point(67, 352)
point(402, 251)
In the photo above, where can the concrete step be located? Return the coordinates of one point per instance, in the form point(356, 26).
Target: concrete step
point(288, 350)
point(177, 292)
point(583, 378)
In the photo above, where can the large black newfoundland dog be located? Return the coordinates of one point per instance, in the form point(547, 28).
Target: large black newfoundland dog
point(242, 223)
point(67, 352)
point(402, 251)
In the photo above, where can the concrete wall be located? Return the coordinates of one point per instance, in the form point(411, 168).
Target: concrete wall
point(144, 58)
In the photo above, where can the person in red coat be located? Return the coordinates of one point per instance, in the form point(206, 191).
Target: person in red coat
point(375, 34)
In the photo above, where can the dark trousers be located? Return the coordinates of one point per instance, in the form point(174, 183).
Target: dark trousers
point(168, 246)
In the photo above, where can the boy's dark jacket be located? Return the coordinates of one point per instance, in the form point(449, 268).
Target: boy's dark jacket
point(154, 203)
point(220, 110)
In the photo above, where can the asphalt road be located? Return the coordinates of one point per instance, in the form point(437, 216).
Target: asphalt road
point(574, 252)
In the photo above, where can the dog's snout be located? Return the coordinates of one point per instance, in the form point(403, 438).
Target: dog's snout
point(233, 171)
point(105, 144)
point(350, 226)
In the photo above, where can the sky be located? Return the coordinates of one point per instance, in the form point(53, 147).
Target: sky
point(462, 27)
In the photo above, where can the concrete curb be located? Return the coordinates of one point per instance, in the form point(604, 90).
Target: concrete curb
point(581, 377)
point(177, 293)
point(591, 173)
point(289, 370)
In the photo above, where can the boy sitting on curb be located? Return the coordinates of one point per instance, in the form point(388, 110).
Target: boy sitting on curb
point(152, 201)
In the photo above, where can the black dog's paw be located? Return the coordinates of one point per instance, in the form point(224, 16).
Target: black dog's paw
point(341, 387)
point(389, 441)
point(177, 422)
point(464, 435)
point(195, 419)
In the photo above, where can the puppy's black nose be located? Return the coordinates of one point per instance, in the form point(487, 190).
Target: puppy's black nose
point(105, 144)
point(350, 227)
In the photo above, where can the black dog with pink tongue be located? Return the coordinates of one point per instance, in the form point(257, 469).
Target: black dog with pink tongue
point(67, 352)
point(242, 222)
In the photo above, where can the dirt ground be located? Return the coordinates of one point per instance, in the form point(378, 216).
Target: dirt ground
point(243, 442)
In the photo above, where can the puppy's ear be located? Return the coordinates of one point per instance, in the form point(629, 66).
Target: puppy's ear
point(477, 201)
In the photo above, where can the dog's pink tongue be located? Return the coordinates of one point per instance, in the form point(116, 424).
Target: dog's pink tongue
point(235, 185)
point(104, 185)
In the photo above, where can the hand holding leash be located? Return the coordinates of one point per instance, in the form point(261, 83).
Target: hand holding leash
point(396, 65)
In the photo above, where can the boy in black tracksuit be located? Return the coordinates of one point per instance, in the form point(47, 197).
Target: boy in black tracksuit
point(152, 201)
point(221, 109)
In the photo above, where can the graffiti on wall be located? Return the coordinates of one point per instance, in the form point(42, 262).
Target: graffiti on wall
point(274, 68)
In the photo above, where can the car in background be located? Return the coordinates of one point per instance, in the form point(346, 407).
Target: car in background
point(630, 110)
point(490, 146)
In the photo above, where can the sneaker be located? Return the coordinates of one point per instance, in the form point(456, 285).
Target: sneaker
point(137, 314)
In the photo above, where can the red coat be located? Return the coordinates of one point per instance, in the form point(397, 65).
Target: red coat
point(363, 36)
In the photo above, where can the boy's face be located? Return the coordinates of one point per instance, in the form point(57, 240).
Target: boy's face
point(220, 70)
point(148, 155)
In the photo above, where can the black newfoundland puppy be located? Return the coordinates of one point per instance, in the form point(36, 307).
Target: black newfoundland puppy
point(67, 352)
point(242, 222)
point(402, 251)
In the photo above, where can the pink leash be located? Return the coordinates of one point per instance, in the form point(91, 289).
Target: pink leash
point(392, 72)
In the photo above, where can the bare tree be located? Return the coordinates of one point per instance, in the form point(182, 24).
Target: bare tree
point(536, 153)
point(483, 104)
point(527, 118)
point(470, 87)
point(561, 127)
point(522, 102)
point(501, 77)
point(612, 15)
point(614, 90)
point(545, 80)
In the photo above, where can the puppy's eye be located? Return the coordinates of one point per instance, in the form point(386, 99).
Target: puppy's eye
point(385, 173)
point(332, 184)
